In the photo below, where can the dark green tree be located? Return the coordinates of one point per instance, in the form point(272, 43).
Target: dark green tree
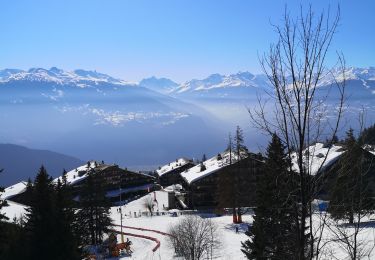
point(40, 227)
point(368, 136)
point(66, 222)
point(271, 236)
point(3, 203)
point(239, 144)
point(352, 193)
point(241, 180)
point(93, 215)
point(3, 238)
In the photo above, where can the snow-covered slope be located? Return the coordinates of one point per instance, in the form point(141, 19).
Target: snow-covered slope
point(351, 73)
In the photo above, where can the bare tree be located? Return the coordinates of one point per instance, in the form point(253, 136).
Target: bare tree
point(148, 204)
point(195, 238)
point(295, 67)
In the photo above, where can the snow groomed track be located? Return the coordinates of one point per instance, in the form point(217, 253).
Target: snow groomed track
point(157, 241)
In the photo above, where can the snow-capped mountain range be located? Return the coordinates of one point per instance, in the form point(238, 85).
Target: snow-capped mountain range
point(80, 78)
point(92, 115)
point(216, 81)
point(83, 78)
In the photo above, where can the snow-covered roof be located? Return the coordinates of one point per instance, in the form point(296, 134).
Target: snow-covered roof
point(316, 154)
point(369, 148)
point(172, 166)
point(212, 165)
point(73, 176)
point(14, 190)
point(173, 188)
point(80, 173)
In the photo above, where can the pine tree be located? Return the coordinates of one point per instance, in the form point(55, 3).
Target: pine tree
point(240, 179)
point(271, 235)
point(65, 222)
point(225, 184)
point(3, 203)
point(368, 136)
point(351, 193)
point(40, 227)
point(240, 147)
point(94, 213)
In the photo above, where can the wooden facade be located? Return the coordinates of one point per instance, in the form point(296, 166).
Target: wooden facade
point(326, 180)
point(173, 176)
point(237, 179)
point(120, 182)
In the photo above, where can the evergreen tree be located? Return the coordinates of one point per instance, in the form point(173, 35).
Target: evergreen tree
point(240, 178)
point(40, 227)
point(240, 147)
point(66, 222)
point(351, 193)
point(225, 184)
point(3, 203)
point(93, 215)
point(271, 235)
point(368, 136)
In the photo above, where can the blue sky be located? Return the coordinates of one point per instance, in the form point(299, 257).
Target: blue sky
point(172, 38)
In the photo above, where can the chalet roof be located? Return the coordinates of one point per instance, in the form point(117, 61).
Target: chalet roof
point(80, 173)
point(370, 148)
point(73, 176)
point(212, 165)
point(315, 156)
point(172, 166)
point(14, 190)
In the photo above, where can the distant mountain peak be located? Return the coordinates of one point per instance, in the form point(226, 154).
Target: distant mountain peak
point(218, 81)
point(162, 85)
point(58, 76)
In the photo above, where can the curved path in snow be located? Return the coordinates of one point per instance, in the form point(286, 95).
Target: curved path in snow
point(143, 236)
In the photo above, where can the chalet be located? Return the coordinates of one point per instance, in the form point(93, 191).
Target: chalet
point(170, 174)
point(322, 162)
point(205, 182)
point(120, 183)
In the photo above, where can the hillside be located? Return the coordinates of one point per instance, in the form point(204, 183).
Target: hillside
point(20, 163)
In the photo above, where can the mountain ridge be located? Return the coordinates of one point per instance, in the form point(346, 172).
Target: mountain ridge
point(20, 162)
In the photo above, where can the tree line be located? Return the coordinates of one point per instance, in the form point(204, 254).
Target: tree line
point(351, 197)
point(56, 224)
